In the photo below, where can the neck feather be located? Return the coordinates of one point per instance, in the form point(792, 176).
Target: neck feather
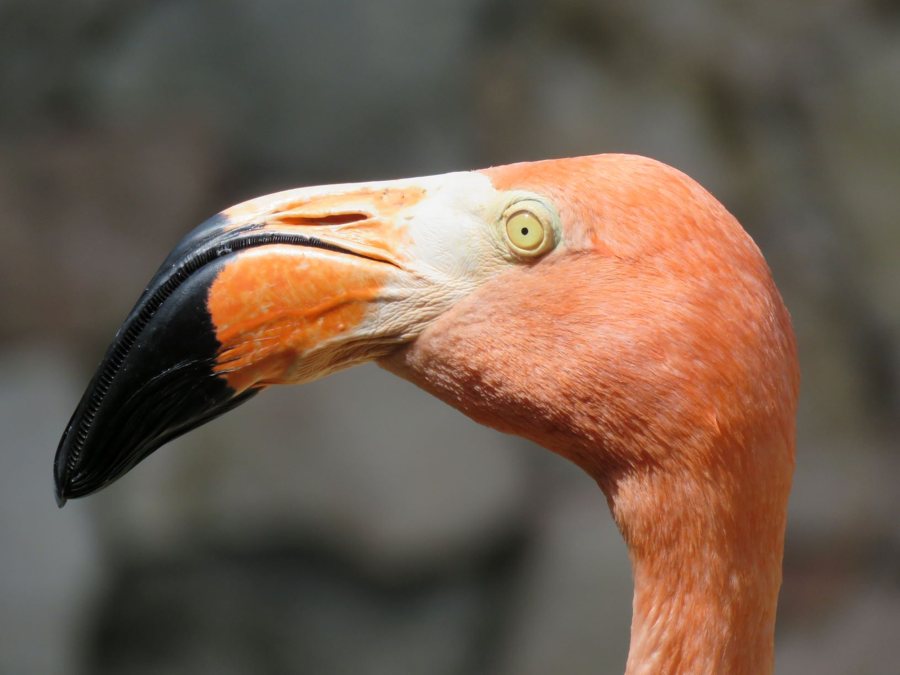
point(671, 379)
point(706, 556)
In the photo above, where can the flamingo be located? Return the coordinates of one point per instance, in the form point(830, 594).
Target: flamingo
point(605, 307)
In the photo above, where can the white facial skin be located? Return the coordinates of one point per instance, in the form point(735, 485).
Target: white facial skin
point(436, 251)
point(459, 241)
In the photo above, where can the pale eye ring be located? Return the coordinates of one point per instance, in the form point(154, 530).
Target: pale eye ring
point(527, 230)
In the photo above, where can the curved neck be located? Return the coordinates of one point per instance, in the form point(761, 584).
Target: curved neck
point(706, 556)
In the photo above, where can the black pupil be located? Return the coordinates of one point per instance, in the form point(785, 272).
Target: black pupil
point(524, 230)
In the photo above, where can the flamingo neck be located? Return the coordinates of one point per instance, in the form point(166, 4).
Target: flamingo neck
point(706, 557)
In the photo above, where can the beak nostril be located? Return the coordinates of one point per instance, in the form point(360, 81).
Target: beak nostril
point(290, 218)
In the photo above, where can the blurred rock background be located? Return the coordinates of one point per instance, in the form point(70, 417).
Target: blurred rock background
point(356, 525)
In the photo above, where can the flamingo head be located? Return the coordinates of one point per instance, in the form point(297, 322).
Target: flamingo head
point(604, 307)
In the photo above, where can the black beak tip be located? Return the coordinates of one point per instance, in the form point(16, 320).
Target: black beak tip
point(155, 383)
point(61, 474)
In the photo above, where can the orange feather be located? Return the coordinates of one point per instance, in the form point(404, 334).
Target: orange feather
point(653, 349)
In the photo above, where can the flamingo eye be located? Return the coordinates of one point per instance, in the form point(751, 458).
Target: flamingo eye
point(525, 231)
point(528, 231)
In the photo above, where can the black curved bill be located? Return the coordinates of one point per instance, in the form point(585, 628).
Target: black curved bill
point(156, 380)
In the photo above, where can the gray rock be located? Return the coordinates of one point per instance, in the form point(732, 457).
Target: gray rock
point(51, 566)
point(573, 609)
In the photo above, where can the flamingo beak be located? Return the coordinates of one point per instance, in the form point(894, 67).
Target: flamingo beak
point(284, 288)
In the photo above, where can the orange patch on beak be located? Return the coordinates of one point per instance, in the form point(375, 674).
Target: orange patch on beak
point(304, 205)
point(275, 305)
point(288, 313)
point(386, 202)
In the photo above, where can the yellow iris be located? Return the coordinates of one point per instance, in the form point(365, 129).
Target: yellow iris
point(525, 231)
